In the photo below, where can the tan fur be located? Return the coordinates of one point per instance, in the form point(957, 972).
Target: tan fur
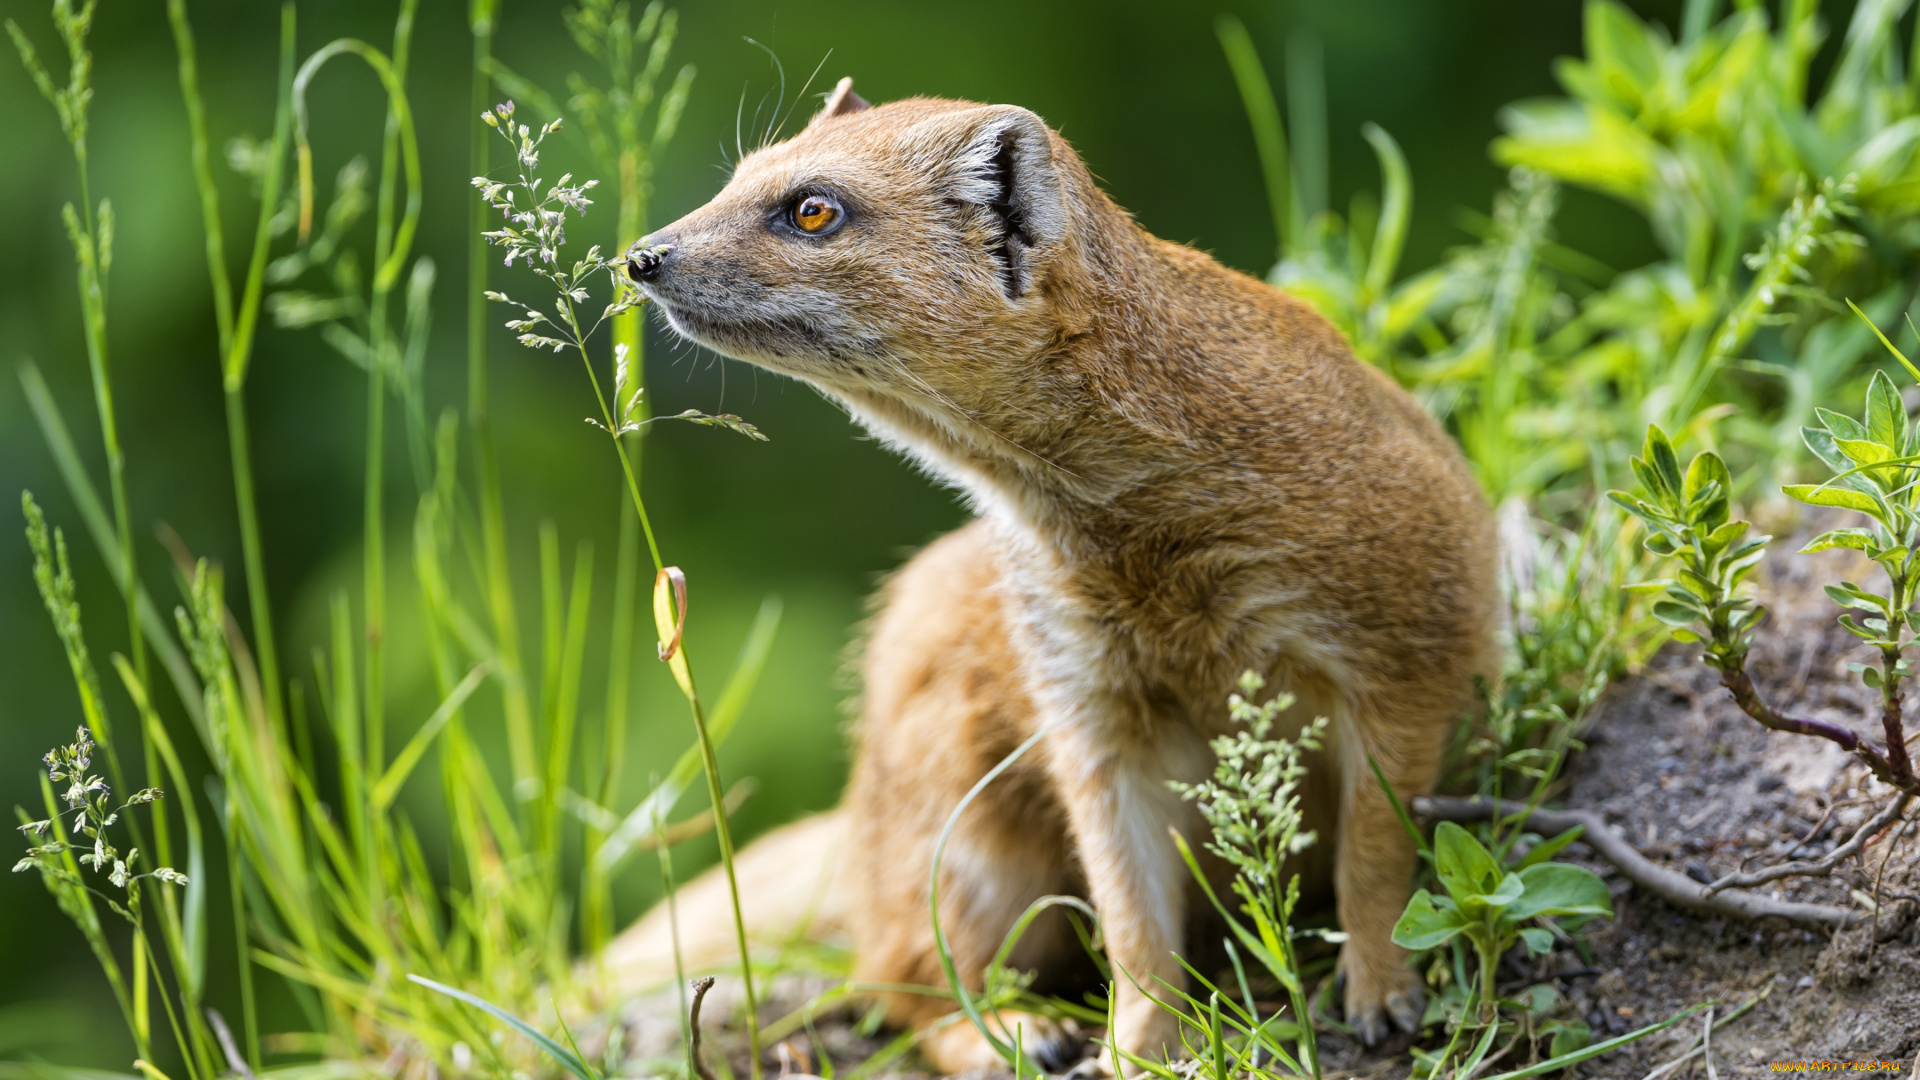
point(1181, 474)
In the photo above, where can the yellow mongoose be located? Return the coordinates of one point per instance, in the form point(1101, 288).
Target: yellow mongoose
point(1181, 474)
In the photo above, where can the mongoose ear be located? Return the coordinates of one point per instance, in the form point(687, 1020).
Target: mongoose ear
point(1007, 167)
point(841, 102)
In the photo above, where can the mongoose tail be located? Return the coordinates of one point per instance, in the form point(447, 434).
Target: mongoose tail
point(788, 890)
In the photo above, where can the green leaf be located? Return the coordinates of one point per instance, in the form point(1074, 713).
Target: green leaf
point(1539, 942)
point(559, 1053)
point(1569, 1036)
point(1399, 811)
point(1841, 425)
point(1821, 442)
point(1886, 413)
point(1509, 890)
point(1651, 482)
point(1694, 585)
point(1560, 889)
point(1648, 588)
point(1542, 998)
point(1723, 535)
point(1396, 202)
point(1847, 594)
point(1426, 924)
point(1660, 455)
point(1709, 473)
point(1845, 498)
point(1574, 1057)
point(1632, 505)
point(1465, 867)
point(1856, 539)
point(1854, 628)
point(1660, 544)
point(1547, 849)
point(1622, 51)
point(384, 792)
point(1865, 451)
point(1674, 613)
point(1897, 354)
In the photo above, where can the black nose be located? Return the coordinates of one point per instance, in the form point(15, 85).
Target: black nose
point(644, 260)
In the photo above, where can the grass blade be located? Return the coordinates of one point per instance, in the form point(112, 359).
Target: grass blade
point(1399, 811)
point(1263, 115)
point(561, 1054)
point(390, 782)
point(1396, 205)
point(1577, 1056)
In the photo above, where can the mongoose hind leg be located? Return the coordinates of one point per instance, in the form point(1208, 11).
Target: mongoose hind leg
point(1375, 857)
point(944, 703)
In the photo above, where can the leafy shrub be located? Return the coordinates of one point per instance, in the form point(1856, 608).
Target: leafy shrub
point(1690, 524)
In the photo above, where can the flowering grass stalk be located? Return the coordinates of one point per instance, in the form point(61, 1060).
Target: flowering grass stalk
point(534, 233)
point(1252, 804)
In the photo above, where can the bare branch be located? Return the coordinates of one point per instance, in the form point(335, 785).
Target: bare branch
point(1824, 865)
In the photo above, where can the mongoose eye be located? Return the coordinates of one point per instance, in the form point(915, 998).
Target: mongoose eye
point(816, 215)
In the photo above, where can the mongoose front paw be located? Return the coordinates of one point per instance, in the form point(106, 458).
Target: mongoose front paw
point(1092, 1068)
point(1374, 1009)
point(1054, 1047)
point(959, 1047)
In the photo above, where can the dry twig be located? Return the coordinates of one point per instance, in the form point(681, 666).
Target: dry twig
point(1824, 865)
point(700, 988)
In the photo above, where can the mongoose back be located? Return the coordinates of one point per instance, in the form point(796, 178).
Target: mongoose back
point(1180, 474)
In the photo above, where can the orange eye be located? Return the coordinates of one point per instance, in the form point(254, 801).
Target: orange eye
point(816, 214)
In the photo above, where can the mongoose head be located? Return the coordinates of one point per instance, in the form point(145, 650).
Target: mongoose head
point(906, 257)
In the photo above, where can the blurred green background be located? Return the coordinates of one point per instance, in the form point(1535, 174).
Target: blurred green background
point(817, 515)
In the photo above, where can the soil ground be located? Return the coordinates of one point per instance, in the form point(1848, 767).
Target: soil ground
point(1698, 787)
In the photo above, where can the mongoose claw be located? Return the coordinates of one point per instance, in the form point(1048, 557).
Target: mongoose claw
point(1058, 1048)
point(1407, 1007)
point(1370, 1023)
point(1374, 1021)
point(1091, 1068)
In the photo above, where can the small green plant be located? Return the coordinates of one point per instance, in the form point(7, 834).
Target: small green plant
point(1690, 524)
point(1494, 906)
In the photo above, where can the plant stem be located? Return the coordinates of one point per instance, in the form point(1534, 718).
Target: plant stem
point(375, 581)
point(1741, 686)
point(596, 899)
point(708, 759)
point(1489, 963)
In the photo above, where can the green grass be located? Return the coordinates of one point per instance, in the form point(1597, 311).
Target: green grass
point(333, 896)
